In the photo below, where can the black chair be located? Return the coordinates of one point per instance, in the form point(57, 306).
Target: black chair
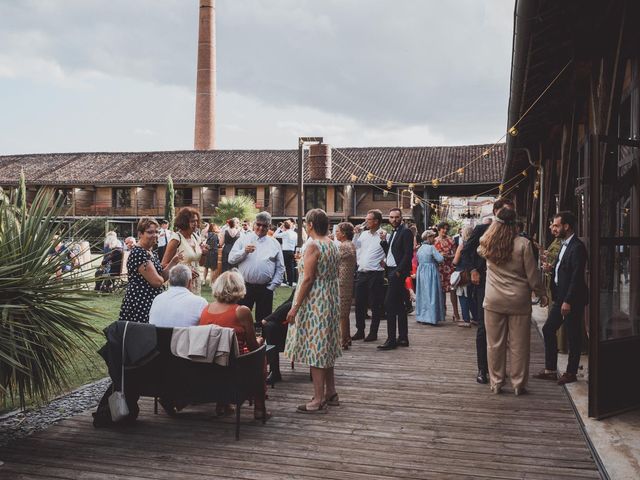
point(179, 380)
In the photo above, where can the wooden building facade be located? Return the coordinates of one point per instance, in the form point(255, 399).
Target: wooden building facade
point(125, 186)
point(578, 63)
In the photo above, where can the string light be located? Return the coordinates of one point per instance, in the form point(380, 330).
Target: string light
point(524, 173)
point(354, 178)
point(370, 177)
point(500, 188)
point(411, 186)
point(435, 182)
point(389, 184)
point(486, 154)
point(513, 131)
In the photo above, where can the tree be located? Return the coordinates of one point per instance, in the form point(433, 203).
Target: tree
point(170, 198)
point(240, 206)
point(44, 319)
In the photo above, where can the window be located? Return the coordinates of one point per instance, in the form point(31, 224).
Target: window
point(267, 195)
point(338, 199)
point(380, 195)
point(223, 191)
point(315, 197)
point(66, 195)
point(184, 197)
point(247, 192)
point(121, 197)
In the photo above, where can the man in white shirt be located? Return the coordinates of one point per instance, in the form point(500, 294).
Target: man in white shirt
point(370, 280)
point(177, 307)
point(163, 235)
point(246, 228)
point(289, 242)
point(259, 260)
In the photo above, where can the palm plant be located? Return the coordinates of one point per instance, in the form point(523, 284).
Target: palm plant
point(44, 319)
point(241, 207)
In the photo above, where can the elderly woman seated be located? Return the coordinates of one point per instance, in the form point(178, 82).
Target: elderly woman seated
point(225, 311)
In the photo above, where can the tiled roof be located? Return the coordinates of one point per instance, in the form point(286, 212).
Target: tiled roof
point(399, 164)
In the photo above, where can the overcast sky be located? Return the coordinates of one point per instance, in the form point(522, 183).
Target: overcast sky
point(119, 75)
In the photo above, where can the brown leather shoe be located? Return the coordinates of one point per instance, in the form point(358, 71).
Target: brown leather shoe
point(567, 378)
point(543, 375)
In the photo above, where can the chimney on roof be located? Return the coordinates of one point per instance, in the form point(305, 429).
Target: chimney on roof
point(204, 138)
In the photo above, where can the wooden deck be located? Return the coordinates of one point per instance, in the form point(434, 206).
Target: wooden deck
point(410, 413)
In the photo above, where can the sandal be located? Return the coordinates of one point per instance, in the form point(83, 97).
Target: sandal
point(333, 400)
point(322, 408)
point(259, 416)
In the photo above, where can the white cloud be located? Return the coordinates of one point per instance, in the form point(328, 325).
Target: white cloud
point(364, 72)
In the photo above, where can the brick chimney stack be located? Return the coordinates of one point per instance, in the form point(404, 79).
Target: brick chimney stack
point(204, 138)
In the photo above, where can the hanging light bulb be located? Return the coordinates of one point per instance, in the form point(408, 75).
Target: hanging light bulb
point(389, 184)
point(435, 182)
point(385, 193)
point(500, 188)
point(513, 131)
point(536, 194)
point(524, 173)
point(486, 154)
point(411, 186)
point(460, 171)
point(370, 177)
point(354, 178)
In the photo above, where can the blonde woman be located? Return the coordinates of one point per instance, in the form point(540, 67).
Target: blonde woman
point(224, 311)
point(512, 274)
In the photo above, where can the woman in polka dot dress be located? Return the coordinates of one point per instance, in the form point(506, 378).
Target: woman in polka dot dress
point(146, 275)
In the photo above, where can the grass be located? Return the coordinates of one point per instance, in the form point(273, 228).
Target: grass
point(85, 365)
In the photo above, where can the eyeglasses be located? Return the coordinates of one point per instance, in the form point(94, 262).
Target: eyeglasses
point(261, 225)
point(151, 232)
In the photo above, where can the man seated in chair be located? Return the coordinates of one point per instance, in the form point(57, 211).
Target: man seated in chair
point(274, 330)
point(177, 307)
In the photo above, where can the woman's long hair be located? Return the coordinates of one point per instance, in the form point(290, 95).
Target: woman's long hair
point(497, 243)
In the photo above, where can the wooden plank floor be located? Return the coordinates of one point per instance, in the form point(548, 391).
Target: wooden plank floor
point(414, 412)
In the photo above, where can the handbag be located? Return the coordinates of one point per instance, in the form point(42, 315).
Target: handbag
point(117, 401)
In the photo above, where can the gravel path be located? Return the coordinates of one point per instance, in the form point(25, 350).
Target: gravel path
point(20, 424)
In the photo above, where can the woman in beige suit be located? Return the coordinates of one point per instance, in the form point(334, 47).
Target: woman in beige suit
point(512, 274)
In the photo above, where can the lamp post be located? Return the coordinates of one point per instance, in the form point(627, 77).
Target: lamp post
point(302, 141)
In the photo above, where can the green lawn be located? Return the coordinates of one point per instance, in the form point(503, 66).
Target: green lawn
point(86, 365)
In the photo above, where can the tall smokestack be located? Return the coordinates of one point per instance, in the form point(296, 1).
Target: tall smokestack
point(206, 78)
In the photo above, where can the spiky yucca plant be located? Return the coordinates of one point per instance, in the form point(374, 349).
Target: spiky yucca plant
point(44, 319)
point(242, 207)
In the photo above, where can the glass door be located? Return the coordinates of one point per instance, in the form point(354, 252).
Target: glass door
point(614, 310)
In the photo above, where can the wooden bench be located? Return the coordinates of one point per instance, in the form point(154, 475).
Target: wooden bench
point(180, 380)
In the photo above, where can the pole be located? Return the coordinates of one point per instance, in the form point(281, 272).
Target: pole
point(300, 188)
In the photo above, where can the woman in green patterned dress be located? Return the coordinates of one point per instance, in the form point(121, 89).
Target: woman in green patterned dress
point(314, 332)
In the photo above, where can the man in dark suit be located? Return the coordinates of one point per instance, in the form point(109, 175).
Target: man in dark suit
point(398, 250)
point(570, 295)
point(476, 267)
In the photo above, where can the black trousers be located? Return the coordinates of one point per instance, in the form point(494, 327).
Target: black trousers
point(481, 334)
point(573, 326)
point(289, 265)
point(161, 251)
point(369, 293)
point(394, 305)
point(262, 298)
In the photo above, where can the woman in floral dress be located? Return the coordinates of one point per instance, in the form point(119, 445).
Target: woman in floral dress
point(447, 247)
point(314, 332)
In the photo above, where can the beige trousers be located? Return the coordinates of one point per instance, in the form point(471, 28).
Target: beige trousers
point(512, 332)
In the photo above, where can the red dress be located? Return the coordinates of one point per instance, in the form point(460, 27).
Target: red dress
point(447, 247)
point(228, 319)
